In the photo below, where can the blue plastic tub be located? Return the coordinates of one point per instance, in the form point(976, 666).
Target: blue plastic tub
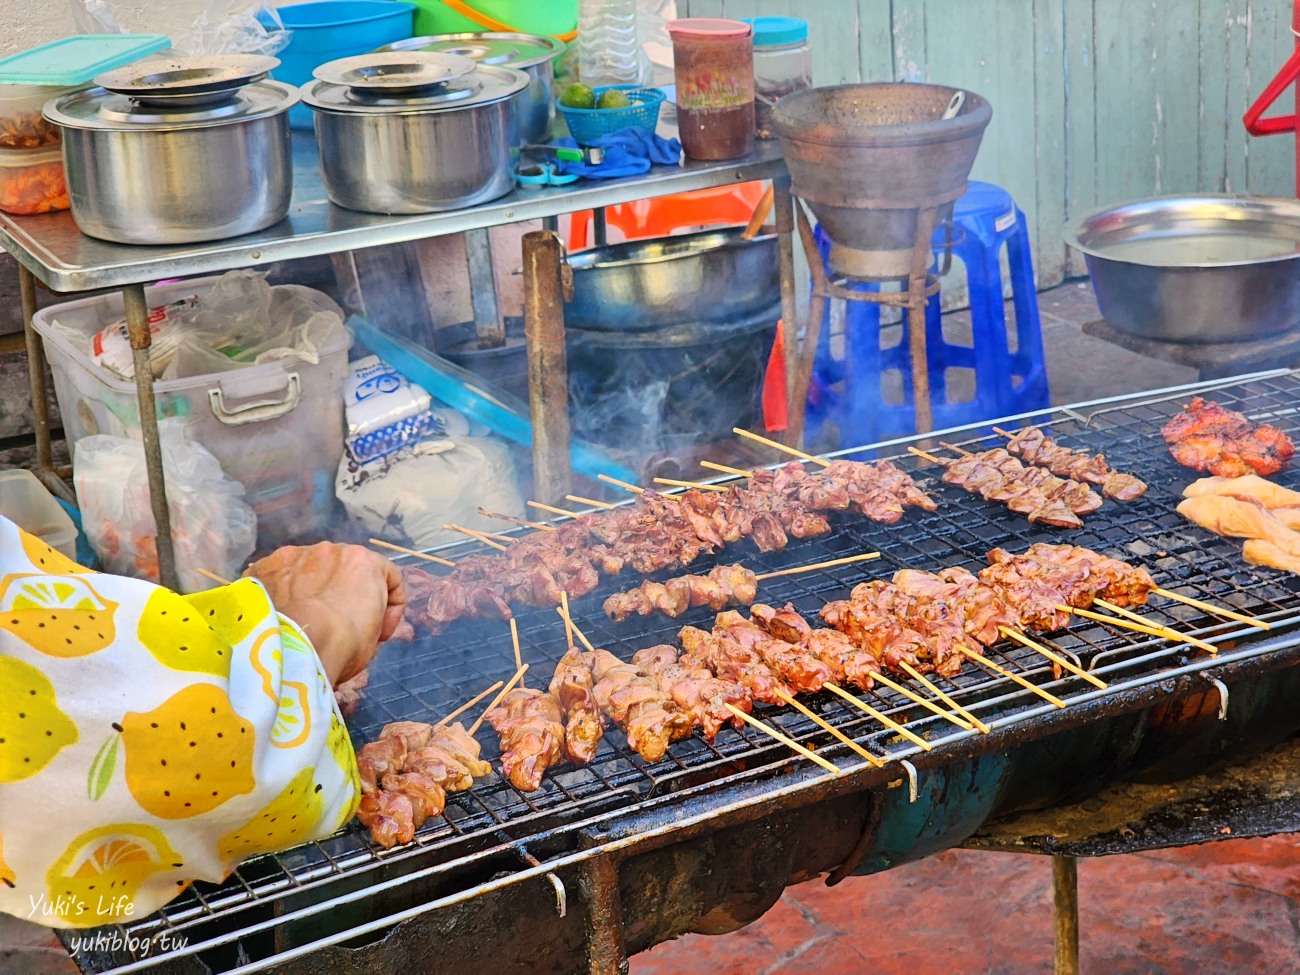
point(331, 29)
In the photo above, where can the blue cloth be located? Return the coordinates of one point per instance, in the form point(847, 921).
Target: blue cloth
point(628, 152)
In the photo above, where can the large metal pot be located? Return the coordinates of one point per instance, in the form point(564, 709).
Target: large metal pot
point(177, 167)
point(440, 147)
point(713, 276)
point(1204, 268)
point(532, 54)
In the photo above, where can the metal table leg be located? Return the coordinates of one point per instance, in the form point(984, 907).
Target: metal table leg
point(137, 322)
point(1065, 913)
point(45, 469)
point(488, 325)
point(548, 283)
point(599, 227)
point(783, 203)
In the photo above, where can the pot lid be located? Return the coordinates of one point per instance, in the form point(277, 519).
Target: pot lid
point(395, 72)
point(483, 85)
point(505, 49)
point(100, 109)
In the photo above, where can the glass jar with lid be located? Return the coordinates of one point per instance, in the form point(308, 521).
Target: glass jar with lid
point(782, 65)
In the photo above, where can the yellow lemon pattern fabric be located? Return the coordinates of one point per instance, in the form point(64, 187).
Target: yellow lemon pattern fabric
point(181, 734)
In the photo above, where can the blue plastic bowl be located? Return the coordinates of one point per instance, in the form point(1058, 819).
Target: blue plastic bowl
point(586, 125)
point(331, 29)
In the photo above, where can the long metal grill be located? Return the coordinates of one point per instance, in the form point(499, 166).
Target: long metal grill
point(430, 677)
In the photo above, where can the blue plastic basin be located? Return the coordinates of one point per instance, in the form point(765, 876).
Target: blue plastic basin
point(331, 29)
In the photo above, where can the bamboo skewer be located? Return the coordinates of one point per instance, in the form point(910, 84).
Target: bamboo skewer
point(1055, 658)
point(1146, 628)
point(468, 704)
point(1166, 630)
point(954, 449)
point(213, 576)
point(938, 692)
point(480, 536)
point(552, 509)
point(866, 556)
point(582, 637)
point(576, 499)
point(1012, 675)
point(673, 482)
point(538, 525)
point(623, 484)
point(822, 723)
point(884, 719)
point(410, 551)
point(777, 445)
point(771, 732)
point(1211, 608)
point(568, 620)
point(724, 469)
point(918, 699)
point(519, 675)
point(924, 456)
point(514, 639)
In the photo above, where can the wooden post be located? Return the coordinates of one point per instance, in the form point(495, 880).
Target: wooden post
point(1065, 913)
point(783, 204)
point(916, 302)
point(548, 282)
point(483, 290)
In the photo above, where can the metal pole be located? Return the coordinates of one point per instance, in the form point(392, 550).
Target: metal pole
point(783, 204)
point(603, 918)
point(137, 323)
point(488, 325)
point(1065, 913)
point(798, 408)
point(599, 227)
point(40, 395)
point(546, 287)
point(916, 302)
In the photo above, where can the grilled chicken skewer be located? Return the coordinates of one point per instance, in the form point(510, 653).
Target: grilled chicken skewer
point(1035, 447)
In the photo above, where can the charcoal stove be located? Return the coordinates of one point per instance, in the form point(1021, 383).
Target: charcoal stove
point(609, 859)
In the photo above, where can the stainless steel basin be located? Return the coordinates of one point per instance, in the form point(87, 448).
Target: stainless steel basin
point(1204, 268)
point(712, 276)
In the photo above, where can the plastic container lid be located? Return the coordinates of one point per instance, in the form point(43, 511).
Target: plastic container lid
point(777, 31)
point(75, 60)
point(708, 28)
point(509, 50)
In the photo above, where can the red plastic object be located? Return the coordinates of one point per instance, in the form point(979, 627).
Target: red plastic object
point(1254, 121)
point(719, 206)
point(776, 418)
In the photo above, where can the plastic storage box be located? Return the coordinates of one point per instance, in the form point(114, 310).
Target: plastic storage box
point(31, 162)
point(277, 427)
point(25, 502)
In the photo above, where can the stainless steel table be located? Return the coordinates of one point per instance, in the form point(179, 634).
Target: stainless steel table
point(49, 248)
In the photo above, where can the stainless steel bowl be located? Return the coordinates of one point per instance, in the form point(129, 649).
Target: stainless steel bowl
point(1205, 268)
point(713, 276)
point(141, 174)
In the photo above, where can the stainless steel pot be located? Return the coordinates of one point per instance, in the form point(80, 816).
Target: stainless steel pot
point(713, 276)
point(181, 169)
point(534, 54)
point(1205, 268)
point(436, 149)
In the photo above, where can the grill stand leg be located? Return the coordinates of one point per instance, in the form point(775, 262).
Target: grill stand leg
point(1065, 913)
point(598, 881)
point(783, 203)
point(917, 299)
point(45, 469)
point(548, 283)
point(137, 323)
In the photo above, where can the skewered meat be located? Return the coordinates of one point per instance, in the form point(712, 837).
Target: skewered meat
point(793, 666)
point(724, 586)
point(532, 735)
point(572, 686)
point(1209, 437)
point(1031, 491)
point(656, 533)
point(426, 796)
point(1240, 518)
point(846, 661)
point(695, 690)
point(731, 661)
point(349, 693)
point(633, 700)
point(983, 608)
point(389, 816)
point(377, 759)
point(1033, 446)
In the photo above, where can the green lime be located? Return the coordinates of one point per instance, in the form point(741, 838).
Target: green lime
point(578, 96)
point(613, 99)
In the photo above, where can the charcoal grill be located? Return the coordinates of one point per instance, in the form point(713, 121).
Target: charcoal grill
point(608, 859)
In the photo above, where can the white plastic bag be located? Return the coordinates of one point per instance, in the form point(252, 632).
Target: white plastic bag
point(407, 499)
point(212, 527)
point(224, 26)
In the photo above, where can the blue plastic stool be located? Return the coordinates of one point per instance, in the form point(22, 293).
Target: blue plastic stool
point(1006, 382)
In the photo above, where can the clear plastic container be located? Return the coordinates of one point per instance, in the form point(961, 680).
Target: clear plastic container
point(21, 124)
point(782, 65)
point(713, 61)
point(609, 48)
point(277, 427)
point(25, 501)
point(31, 180)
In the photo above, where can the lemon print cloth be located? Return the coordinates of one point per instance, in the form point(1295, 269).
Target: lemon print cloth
point(149, 740)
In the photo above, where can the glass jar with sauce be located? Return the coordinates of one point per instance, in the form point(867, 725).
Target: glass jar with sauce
point(714, 67)
point(782, 65)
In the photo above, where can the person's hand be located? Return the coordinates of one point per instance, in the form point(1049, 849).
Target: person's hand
point(346, 598)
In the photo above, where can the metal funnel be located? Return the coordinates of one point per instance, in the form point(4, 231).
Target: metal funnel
point(867, 157)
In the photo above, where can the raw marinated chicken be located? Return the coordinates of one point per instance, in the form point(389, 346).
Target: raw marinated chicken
point(1240, 518)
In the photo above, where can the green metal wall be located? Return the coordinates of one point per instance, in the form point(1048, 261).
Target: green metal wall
point(1094, 101)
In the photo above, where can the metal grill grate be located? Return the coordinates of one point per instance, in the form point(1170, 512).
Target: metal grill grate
point(431, 676)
